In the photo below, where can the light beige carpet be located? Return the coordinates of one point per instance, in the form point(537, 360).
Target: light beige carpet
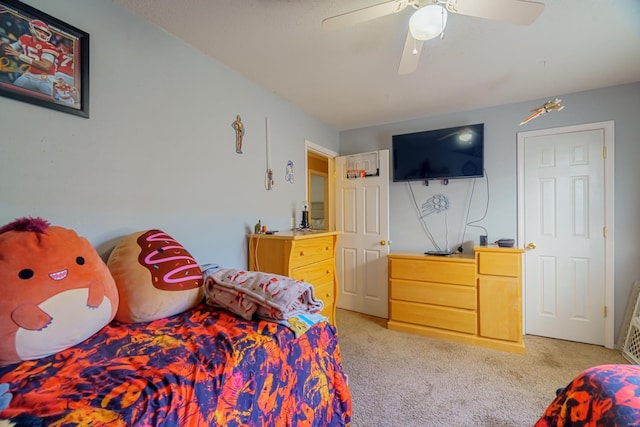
point(401, 379)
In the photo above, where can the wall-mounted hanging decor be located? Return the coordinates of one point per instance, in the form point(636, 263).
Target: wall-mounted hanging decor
point(550, 105)
point(43, 61)
point(239, 127)
point(290, 173)
point(268, 178)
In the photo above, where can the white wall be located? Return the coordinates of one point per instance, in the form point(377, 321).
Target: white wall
point(158, 150)
point(619, 103)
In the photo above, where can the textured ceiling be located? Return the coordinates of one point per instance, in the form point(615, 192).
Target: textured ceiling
point(348, 78)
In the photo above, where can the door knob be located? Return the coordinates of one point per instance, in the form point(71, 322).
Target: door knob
point(531, 245)
point(385, 242)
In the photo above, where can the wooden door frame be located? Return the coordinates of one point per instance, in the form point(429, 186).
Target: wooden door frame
point(609, 215)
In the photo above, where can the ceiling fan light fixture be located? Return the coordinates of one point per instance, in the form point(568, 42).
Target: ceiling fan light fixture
point(428, 22)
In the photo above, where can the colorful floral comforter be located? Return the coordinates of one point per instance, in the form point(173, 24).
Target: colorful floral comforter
point(606, 395)
point(204, 367)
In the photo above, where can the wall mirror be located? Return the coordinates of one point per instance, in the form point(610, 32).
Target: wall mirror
point(318, 193)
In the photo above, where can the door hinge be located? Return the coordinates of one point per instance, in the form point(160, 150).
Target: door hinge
point(604, 152)
point(604, 311)
point(604, 231)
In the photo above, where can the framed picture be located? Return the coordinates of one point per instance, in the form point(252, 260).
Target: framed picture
point(43, 60)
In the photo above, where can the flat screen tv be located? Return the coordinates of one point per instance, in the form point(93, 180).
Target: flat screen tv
point(456, 152)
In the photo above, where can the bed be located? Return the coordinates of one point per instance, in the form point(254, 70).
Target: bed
point(152, 338)
point(202, 367)
point(606, 395)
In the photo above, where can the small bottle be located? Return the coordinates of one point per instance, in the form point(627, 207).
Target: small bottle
point(258, 228)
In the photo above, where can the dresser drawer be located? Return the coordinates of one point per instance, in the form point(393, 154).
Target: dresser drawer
point(422, 269)
point(433, 293)
point(499, 264)
point(316, 274)
point(434, 316)
point(326, 294)
point(321, 276)
point(308, 251)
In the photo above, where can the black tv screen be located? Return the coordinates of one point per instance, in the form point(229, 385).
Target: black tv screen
point(456, 152)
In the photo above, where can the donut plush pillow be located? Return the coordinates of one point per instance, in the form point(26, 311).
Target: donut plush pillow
point(155, 275)
point(56, 290)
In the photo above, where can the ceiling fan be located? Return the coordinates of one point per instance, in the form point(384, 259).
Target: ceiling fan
point(430, 19)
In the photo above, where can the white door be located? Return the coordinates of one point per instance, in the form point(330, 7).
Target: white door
point(362, 217)
point(562, 211)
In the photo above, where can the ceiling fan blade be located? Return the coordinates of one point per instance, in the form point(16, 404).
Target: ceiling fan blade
point(409, 60)
point(364, 14)
point(513, 11)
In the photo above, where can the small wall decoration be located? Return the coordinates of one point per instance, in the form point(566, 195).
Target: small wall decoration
point(268, 178)
point(43, 61)
point(239, 127)
point(438, 203)
point(290, 174)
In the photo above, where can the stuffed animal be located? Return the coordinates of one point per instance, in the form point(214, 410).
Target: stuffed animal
point(155, 275)
point(56, 290)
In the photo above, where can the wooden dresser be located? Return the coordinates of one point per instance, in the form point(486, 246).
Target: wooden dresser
point(303, 255)
point(475, 299)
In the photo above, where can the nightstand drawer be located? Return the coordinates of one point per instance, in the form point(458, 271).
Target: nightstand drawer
point(433, 293)
point(499, 264)
point(308, 251)
point(451, 319)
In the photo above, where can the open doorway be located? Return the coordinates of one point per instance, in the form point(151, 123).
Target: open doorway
point(320, 166)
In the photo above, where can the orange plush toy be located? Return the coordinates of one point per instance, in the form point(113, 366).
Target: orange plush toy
point(56, 290)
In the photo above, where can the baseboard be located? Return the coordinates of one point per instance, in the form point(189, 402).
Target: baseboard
point(506, 346)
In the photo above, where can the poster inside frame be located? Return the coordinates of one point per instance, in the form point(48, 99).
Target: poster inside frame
point(43, 61)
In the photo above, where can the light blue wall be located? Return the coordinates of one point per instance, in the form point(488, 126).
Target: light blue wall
point(619, 103)
point(158, 150)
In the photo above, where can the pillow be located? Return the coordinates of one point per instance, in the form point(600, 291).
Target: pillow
point(155, 276)
point(56, 290)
